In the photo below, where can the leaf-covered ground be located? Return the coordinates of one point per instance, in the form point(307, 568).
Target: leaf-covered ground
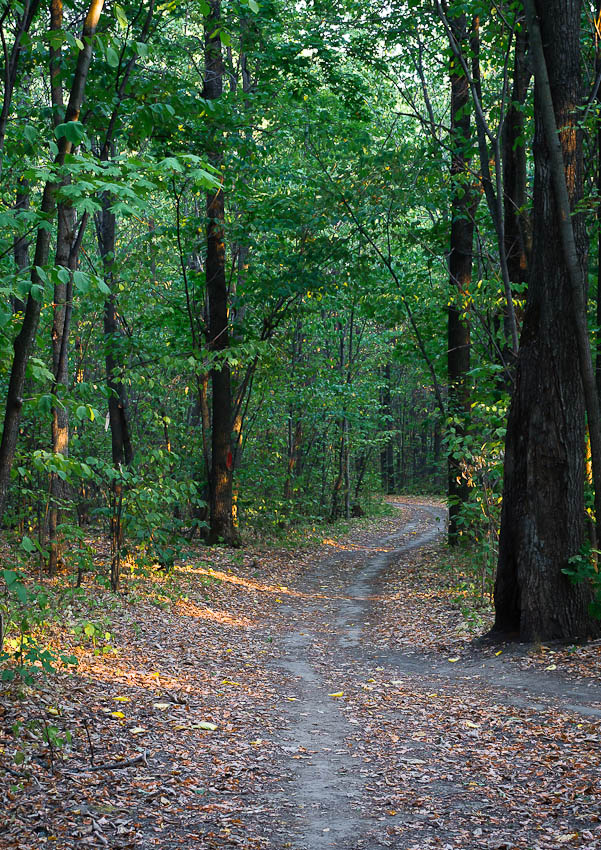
point(325, 697)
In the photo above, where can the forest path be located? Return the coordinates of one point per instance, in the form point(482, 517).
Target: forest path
point(328, 697)
point(400, 748)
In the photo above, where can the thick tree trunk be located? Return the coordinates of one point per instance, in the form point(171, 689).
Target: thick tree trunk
point(220, 484)
point(543, 518)
point(460, 274)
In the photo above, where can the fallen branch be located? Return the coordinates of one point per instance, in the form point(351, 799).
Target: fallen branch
point(112, 765)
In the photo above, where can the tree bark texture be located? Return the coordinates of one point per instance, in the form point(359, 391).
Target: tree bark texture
point(543, 517)
point(220, 484)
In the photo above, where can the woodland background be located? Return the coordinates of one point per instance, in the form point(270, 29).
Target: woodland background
point(262, 262)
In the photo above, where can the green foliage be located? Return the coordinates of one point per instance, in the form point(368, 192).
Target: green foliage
point(25, 609)
point(584, 568)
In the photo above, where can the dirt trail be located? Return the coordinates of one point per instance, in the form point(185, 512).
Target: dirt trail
point(370, 765)
point(318, 699)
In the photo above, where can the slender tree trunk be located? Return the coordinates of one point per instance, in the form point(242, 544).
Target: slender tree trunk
point(63, 294)
point(24, 341)
point(517, 231)
point(387, 451)
point(21, 243)
point(10, 68)
point(460, 273)
point(598, 164)
point(221, 504)
point(121, 442)
point(517, 224)
point(543, 518)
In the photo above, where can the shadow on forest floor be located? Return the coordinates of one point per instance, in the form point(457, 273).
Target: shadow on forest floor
point(324, 697)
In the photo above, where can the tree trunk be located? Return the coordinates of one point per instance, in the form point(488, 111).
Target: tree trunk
point(543, 518)
point(24, 341)
point(21, 243)
point(517, 224)
point(598, 165)
point(460, 274)
point(121, 443)
point(61, 325)
point(221, 503)
point(387, 451)
point(22, 25)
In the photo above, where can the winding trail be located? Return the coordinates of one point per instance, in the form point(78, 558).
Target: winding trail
point(337, 795)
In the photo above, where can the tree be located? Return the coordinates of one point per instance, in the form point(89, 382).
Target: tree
point(543, 517)
point(24, 341)
point(222, 460)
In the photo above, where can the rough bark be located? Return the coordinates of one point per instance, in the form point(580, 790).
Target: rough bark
point(543, 518)
point(220, 502)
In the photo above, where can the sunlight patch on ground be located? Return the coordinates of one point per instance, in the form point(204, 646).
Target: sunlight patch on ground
point(247, 583)
point(355, 547)
point(189, 609)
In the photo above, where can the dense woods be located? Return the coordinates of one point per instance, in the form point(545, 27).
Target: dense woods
point(300, 424)
point(262, 262)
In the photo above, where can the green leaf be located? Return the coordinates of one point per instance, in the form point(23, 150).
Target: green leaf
point(21, 593)
point(121, 16)
point(253, 6)
point(112, 57)
point(73, 131)
point(81, 282)
point(28, 545)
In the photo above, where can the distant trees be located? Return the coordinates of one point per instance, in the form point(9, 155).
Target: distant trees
point(319, 267)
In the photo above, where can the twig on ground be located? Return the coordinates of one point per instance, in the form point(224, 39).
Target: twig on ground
point(112, 765)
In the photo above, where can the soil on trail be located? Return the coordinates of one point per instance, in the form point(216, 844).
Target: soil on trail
point(352, 710)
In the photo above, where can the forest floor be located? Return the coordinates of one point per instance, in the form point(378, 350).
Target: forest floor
point(330, 696)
